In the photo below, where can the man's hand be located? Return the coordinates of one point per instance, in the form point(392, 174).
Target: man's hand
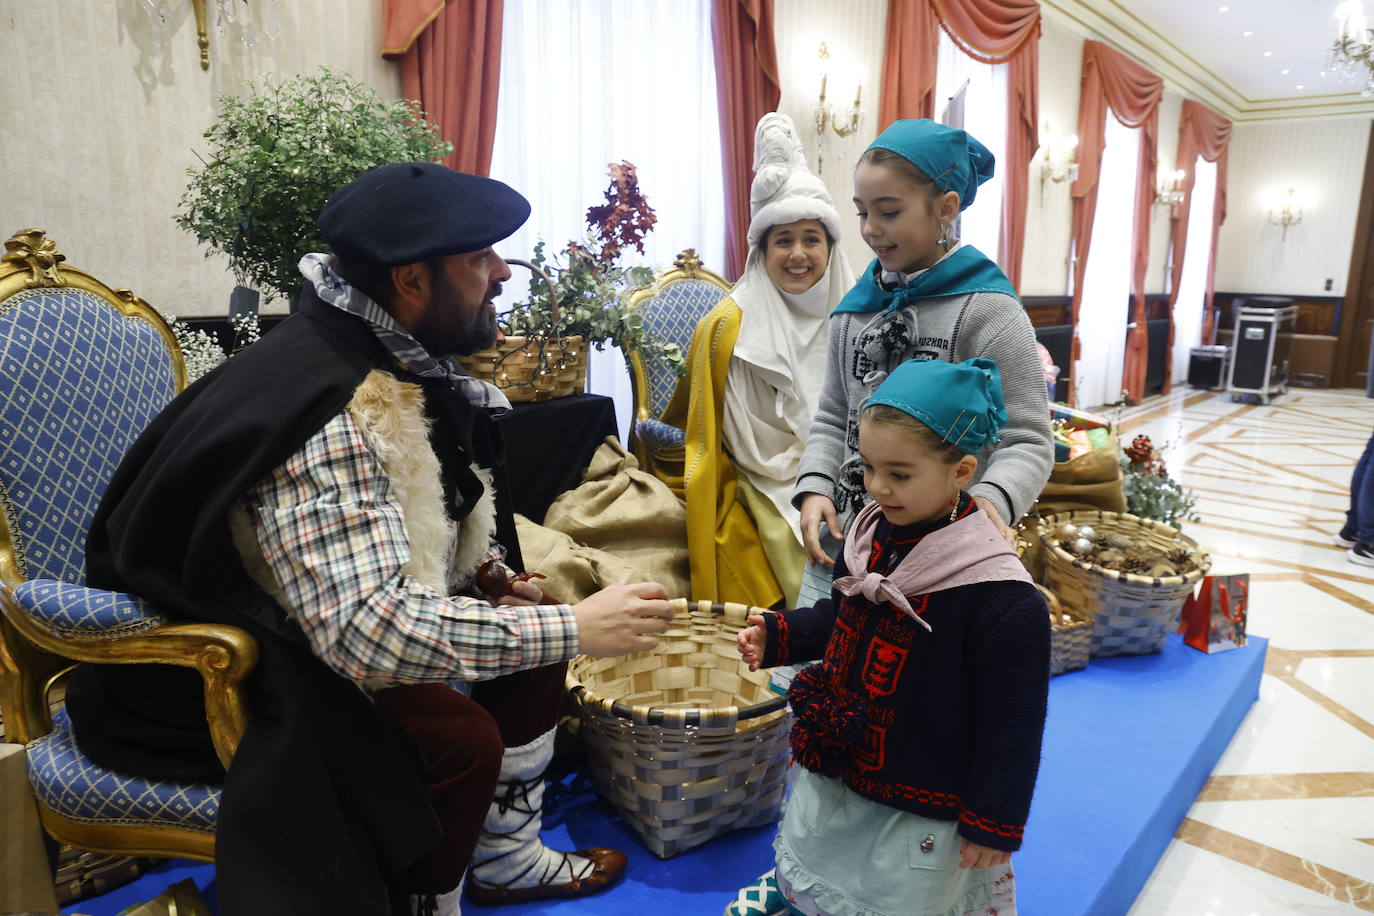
point(991, 512)
point(752, 640)
point(971, 855)
point(523, 593)
point(622, 618)
point(818, 509)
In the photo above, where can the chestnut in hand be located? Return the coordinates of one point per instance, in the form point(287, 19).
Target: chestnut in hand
point(494, 579)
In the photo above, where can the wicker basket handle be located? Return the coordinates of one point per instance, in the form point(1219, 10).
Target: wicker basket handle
point(553, 291)
point(1050, 599)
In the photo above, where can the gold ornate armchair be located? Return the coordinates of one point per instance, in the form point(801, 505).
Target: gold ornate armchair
point(83, 369)
point(671, 306)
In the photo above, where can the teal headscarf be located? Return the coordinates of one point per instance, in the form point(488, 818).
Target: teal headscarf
point(966, 270)
point(946, 155)
point(962, 402)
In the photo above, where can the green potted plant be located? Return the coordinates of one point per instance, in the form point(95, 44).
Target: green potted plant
point(276, 154)
point(1149, 490)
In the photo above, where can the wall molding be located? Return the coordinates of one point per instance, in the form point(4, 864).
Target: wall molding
point(1110, 21)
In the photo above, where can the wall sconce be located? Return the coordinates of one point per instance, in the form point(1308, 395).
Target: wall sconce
point(826, 117)
point(225, 11)
point(1170, 191)
point(1285, 211)
point(1056, 160)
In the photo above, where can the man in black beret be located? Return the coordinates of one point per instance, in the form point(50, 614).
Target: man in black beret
point(333, 490)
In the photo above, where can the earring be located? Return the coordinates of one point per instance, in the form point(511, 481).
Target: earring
point(954, 507)
point(943, 240)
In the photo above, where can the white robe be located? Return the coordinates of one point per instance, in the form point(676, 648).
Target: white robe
point(775, 376)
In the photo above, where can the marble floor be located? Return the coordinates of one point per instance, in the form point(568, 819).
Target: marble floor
point(1286, 822)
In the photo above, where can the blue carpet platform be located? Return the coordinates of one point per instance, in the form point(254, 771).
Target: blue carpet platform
point(1129, 743)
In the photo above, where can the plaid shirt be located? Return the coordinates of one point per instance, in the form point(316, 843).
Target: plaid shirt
point(333, 534)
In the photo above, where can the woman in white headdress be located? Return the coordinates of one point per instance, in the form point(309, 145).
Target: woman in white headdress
point(755, 368)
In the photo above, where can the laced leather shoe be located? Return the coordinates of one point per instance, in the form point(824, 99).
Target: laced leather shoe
point(608, 865)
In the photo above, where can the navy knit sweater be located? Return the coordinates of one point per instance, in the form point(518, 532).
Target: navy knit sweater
point(947, 723)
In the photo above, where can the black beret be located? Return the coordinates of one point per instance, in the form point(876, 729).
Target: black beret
point(410, 212)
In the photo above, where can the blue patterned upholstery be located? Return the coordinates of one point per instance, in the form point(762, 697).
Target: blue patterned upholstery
point(75, 611)
point(67, 415)
point(671, 316)
point(660, 435)
point(79, 381)
point(67, 782)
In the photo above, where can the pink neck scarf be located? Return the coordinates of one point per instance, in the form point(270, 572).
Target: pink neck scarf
point(961, 553)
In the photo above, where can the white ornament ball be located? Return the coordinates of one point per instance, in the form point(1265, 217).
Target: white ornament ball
point(1081, 547)
point(1066, 532)
point(1087, 531)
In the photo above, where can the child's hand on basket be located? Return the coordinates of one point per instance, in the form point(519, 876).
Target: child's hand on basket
point(752, 640)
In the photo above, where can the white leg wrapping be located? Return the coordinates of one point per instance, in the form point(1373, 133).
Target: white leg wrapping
point(445, 904)
point(509, 852)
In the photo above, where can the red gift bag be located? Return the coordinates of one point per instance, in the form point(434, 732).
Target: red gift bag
point(1213, 620)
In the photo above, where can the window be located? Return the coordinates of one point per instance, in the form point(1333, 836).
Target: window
point(1197, 251)
point(1105, 307)
point(972, 95)
point(587, 82)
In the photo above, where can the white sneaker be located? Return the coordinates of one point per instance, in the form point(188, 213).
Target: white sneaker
point(1361, 553)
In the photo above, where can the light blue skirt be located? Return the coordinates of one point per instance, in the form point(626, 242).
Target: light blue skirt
point(839, 854)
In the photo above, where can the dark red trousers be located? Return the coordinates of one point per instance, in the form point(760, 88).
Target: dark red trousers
point(463, 740)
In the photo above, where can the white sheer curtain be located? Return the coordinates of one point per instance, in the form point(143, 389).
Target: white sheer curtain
point(1192, 285)
point(587, 82)
point(1107, 280)
point(985, 118)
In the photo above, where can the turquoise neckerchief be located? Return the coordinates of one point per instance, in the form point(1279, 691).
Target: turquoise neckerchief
point(968, 270)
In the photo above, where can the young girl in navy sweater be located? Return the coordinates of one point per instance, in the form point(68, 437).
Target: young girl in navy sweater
point(919, 732)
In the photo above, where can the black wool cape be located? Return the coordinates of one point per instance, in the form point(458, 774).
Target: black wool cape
point(325, 808)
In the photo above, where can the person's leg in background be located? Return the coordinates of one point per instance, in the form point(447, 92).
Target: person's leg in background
point(1358, 532)
point(1349, 531)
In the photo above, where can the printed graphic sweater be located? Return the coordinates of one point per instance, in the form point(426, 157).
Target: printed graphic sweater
point(946, 723)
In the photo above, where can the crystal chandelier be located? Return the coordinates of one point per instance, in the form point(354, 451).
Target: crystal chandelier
point(1352, 53)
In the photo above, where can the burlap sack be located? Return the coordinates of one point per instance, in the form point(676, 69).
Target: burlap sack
point(630, 515)
point(1090, 481)
point(573, 571)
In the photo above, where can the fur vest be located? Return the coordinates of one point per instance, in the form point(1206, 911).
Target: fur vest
point(444, 555)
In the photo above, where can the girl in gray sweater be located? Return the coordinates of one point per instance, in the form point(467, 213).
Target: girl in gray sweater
point(925, 296)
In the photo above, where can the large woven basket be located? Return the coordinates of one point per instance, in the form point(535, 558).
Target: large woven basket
point(533, 368)
point(1132, 614)
point(1071, 633)
point(685, 741)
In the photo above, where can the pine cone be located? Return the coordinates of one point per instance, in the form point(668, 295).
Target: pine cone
point(1136, 565)
point(1181, 558)
point(1141, 451)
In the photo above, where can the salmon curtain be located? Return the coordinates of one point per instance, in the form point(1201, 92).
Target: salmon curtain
point(747, 88)
point(990, 31)
point(450, 57)
point(1201, 132)
point(1006, 32)
point(909, 57)
point(1113, 82)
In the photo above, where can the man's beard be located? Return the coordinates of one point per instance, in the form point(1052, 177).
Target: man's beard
point(442, 332)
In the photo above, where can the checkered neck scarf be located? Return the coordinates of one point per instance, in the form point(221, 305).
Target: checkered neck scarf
point(408, 352)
